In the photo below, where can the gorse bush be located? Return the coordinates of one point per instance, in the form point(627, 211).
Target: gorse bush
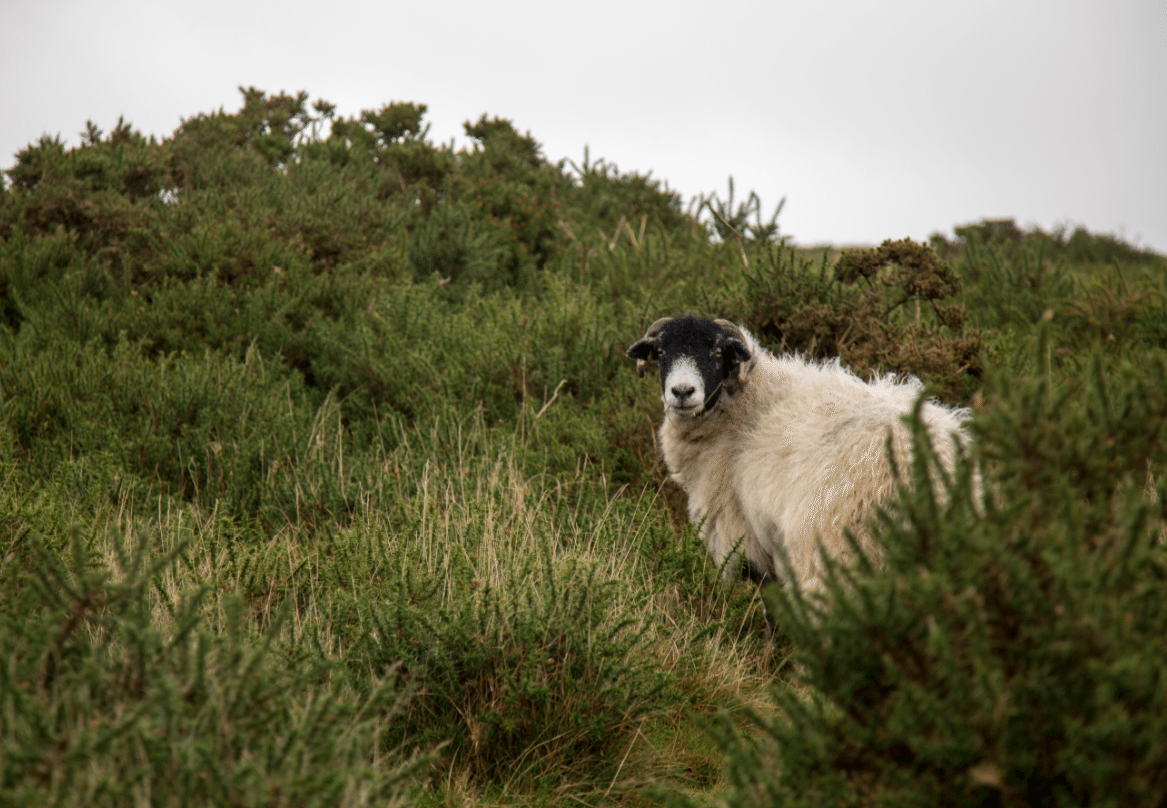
point(324, 480)
point(536, 680)
point(1080, 247)
point(208, 428)
point(106, 704)
point(1091, 281)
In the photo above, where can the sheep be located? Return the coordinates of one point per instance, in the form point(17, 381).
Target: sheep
point(779, 455)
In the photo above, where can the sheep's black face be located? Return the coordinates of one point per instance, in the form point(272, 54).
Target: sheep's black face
point(696, 355)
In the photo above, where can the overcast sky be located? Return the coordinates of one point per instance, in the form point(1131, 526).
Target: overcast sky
point(874, 119)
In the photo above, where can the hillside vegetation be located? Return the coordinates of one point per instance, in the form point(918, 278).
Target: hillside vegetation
point(324, 481)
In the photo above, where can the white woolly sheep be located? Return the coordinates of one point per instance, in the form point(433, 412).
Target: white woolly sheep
point(777, 453)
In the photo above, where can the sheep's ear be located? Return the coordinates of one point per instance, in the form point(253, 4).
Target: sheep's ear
point(735, 355)
point(733, 344)
point(735, 351)
point(643, 351)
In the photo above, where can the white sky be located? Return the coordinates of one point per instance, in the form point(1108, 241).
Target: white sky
point(875, 119)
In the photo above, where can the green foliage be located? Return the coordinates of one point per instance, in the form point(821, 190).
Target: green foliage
point(413, 354)
point(210, 429)
point(729, 222)
point(361, 402)
point(534, 683)
point(1013, 282)
point(268, 126)
point(1080, 247)
point(600, 196)
point(105, 704)
point(1094, 287)
point(1115, 311)
point(1010, 657)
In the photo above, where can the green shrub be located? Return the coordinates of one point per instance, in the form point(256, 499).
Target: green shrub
point(207, 429)
point(1012, 277)
point(599, 196)
point(1013, 283)
point(114, 696)
point(412, 352)
point(1123, 315)
point(535, 684)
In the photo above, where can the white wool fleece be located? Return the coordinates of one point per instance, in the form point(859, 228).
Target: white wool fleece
point(793, 456)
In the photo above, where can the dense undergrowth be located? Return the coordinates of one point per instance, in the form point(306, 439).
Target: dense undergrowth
point(323, 480)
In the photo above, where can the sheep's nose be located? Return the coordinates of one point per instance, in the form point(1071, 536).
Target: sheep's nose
point(683, 391)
